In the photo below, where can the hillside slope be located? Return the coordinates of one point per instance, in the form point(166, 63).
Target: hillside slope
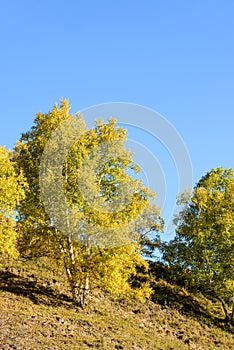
point(36, 313)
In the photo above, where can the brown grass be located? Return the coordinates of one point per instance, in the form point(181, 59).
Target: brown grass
point(36, 312)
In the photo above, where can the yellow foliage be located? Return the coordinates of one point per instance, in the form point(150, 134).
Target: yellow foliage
point(10, 193)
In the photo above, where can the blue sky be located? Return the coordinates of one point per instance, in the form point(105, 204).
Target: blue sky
point(176, 57)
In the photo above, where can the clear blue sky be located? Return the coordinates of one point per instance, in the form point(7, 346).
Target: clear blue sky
point(174, 56)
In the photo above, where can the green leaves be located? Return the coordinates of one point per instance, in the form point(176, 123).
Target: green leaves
point(204, 241)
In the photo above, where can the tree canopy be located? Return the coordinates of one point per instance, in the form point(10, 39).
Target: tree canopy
point(82, 201)
point(204, 241)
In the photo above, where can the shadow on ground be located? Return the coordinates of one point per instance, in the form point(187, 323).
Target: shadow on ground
point(187, 304)
point(30, 288)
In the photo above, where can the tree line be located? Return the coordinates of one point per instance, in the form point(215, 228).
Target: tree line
point(71, 193)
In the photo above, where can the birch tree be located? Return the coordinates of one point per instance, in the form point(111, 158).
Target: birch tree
point(82, 200)
point(204, 241)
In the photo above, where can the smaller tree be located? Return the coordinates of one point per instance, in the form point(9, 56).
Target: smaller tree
point(10, 192)
point(204, 243)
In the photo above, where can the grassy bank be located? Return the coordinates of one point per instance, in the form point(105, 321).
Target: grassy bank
point(37, 313)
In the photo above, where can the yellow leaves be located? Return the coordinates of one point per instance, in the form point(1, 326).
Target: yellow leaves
point(10, 183)
point(98, 180)
point(117, 265)
point(143, 292)
point(8, 237)
point(200, 197)
point(95, 196)
point(10, 191)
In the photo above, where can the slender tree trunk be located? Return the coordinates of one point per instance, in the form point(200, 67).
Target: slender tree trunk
point(227, 316)
point(79, 284)
point(80, 288)
point(232, 316)
point(81, 292)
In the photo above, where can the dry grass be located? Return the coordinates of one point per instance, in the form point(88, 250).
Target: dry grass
point(37, 313)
